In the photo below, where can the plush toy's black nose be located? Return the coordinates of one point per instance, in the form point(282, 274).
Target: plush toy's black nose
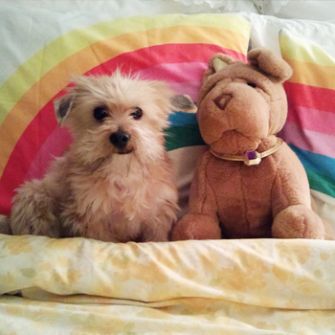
point(119, 139)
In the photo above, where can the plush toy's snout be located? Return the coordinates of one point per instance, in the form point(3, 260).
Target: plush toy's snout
point(222, 100)
point(251, 119)
point(228, 107)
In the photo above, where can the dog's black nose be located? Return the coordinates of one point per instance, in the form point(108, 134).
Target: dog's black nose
point(119, 139)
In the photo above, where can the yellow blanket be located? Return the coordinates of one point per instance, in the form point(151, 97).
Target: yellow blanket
point(81, 286)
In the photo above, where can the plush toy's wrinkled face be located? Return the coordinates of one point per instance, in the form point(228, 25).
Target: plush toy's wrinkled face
point(239, 105)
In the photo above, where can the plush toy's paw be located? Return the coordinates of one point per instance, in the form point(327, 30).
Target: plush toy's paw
point(298, 222)
point(196, 227)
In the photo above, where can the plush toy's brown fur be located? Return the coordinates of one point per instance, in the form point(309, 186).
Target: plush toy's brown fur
point(241, 108)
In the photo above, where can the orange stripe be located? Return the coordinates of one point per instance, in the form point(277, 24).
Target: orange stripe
point(312, 74)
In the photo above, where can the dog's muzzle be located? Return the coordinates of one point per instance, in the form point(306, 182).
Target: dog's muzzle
point(119, 139)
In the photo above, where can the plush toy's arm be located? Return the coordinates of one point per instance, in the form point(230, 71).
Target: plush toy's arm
point(291, 203)
point(291, 184)
point(201, 222)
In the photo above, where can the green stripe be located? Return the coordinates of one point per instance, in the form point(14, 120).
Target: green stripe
point(319, 168)
point(320, 183)
point(178, 137)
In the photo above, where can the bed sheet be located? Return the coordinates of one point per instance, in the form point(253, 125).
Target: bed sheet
point(81, 286)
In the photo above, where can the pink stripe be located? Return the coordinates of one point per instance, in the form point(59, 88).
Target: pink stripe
point(312, 119)
point(54, 146)
point(184, 78)
point(189, 88)
point(310, 140)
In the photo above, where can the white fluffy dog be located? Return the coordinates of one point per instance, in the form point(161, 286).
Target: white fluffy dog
point(115, 182)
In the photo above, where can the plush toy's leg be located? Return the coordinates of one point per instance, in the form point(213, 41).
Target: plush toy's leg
point(197, 227)
point(297, 222)
point(291, 202)
point(32, 211)
point(201, 222)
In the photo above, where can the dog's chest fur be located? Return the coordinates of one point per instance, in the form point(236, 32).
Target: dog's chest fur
point(113, 203)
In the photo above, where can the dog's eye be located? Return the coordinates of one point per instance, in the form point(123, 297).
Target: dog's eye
point(251, 84)
point(137, 113)
point(100, 113)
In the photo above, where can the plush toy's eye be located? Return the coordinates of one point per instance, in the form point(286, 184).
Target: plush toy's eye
point(251, 84)
point(137, 113)
point(100, 113)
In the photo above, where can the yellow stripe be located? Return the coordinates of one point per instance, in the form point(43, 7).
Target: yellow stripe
point(312, 74)
point(57, 78)
point(306, 51)
point(311, 64)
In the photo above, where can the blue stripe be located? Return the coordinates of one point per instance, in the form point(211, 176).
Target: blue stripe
point(178, 119)
point(320, 164)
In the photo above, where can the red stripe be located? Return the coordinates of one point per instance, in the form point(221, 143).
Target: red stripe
point(322, 99)
point(312, 119)
point(44, 122)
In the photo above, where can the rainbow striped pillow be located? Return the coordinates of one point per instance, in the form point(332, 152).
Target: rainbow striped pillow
point(310, 127)
point(174, 48)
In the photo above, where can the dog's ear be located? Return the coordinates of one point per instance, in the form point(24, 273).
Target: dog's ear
point(270, 64)
point(63, 107)
point(183, 103)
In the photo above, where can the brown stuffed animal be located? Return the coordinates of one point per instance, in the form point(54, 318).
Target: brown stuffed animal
point(248, 183)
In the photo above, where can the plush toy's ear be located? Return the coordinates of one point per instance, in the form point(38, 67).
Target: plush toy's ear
point(217, 63)
point(63, 107)
point(270, 64)
point(220, 61)
point(183, 103)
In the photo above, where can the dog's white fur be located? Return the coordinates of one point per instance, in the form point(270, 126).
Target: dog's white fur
point(95, 190)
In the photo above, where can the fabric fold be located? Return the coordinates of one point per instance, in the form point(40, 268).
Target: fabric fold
point(286, 274)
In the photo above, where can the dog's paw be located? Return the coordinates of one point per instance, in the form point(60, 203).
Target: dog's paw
point(4, 225)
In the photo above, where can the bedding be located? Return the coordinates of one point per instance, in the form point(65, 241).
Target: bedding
point(82, 286)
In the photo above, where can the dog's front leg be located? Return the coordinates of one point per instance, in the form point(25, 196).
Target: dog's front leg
point(4, 225)
point(33, 211)
point(159, 227)
point(154, 235)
